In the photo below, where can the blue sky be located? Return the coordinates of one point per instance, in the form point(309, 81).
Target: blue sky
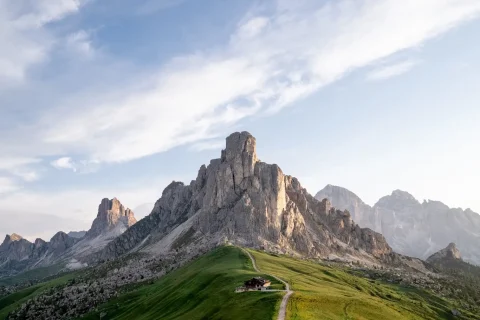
point(103, 98)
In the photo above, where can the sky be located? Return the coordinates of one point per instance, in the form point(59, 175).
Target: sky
point(117, 98)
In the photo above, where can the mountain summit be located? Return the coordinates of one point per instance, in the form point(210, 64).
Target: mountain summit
point(449, 253)
point(112, 217)
point(239, 199)
point(18, 254)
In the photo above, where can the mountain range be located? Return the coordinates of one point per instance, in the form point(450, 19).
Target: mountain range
point(18, 254)
point(410, 227)
point(238, 199)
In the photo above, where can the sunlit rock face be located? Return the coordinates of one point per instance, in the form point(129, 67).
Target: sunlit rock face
point(18, 254)
point(111, 215)
point(239, 199)
point(449, 253)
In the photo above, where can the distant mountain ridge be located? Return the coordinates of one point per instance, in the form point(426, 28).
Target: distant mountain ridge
point(18, 254)
point(410, 227)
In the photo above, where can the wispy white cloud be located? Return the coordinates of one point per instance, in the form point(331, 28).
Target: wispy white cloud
point(392, 70)
point(7, 185)
point(20, 167)
point(9, 163)
point(64, 163)
point(27, 175)
point(269, 63)
point(24, 38)
point(80, 43)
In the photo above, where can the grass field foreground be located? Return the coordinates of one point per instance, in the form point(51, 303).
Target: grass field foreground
point(323, 292)
point(203, 289)
point(13, 301)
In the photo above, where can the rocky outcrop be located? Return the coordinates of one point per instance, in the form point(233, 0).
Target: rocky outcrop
point(14, 247)
point(411, 227)
point(346, 200)
point(60, 243)
point(112, 216)
point(449, 253)
point(239, 199)
point(18, 254)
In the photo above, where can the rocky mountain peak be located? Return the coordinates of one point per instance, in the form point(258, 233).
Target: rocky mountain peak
point(239, 144)
point(403, 195)
point(9, 238)
point(111, 215)
point(451, 252)
point(240, 199)
point(397, 200)
point(61, 242)
point(344, 199)
point(15, 247)
point(15, 237)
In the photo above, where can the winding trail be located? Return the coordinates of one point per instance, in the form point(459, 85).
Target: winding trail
point(283, 306)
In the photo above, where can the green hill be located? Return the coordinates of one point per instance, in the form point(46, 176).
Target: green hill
point(323, 292)
point(12, 301)
point(204, 289)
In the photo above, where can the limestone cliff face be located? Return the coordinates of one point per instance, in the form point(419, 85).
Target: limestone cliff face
point(14, 247)
point(237, 198)
point(112, 215)
point(18, 254)
point(449, 253)
point(60, 243)
point(413, 228)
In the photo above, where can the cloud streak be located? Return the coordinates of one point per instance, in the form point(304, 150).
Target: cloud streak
point(24, 37)
point(390, 71)
point(269, 63)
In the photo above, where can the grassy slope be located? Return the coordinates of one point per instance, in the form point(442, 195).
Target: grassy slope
point(322, 292)
point(38, 273)
point(11, 302)
point(203, 289)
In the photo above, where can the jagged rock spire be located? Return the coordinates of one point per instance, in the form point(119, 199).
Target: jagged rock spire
point(111, 214)
point(249, 202)
point(451, 252)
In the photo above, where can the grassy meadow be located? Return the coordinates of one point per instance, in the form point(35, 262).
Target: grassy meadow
point(13, 301)
point(203, 289)
point(322, 292)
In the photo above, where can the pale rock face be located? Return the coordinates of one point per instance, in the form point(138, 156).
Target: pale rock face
point(14, 247)
point(77, 234)
point(449, 253)
point(60, 243)
point(111, 214)
point(18, 254)
point(410, 227)
point(239, 199)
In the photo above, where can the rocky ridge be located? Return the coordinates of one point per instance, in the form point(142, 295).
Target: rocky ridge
point(449, 253)
point(18, 254)
point(411, 227)
point(112, 216)
point(239, 199)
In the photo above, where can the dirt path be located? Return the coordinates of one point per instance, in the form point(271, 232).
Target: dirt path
point(283, 305)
